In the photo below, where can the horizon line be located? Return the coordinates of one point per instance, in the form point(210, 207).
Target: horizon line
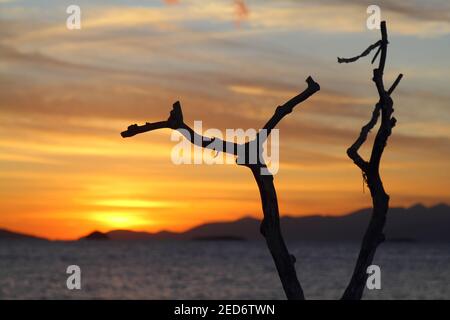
point(218, 221)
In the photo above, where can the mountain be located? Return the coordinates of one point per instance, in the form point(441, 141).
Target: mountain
point(96, 235)
point(10, 235)
point(416, 223)
point(141, 235)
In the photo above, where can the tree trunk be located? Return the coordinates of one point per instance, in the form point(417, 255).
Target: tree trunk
point(271, 230)
point(372, 238)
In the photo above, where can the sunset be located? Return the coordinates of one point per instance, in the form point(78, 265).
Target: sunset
point(66, 94)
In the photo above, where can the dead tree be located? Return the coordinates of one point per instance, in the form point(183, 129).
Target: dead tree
point(270, 225)
point(371, 169)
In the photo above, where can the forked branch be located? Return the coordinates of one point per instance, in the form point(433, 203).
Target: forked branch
point(270, 225)
point(380, 200)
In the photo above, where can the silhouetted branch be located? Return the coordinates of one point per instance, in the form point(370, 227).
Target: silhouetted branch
point(376, 55)
point(352, 152)
point(287, 108)
point(176, 122)
point(270, 225)
point(394, 85)
point(363, 54)
point(380, 200)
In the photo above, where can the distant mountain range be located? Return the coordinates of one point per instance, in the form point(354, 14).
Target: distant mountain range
point(11, 235)
point(416, 223)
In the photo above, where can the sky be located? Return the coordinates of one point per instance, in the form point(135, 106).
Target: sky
point(65, 96)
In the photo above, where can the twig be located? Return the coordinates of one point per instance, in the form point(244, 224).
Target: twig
point(363, 54)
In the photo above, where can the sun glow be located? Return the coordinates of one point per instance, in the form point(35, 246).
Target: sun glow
point(122, 220)
point(133, 203)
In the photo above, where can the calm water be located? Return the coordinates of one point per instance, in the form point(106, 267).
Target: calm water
point(213, 270)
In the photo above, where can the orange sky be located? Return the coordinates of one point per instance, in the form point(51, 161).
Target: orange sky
point(65, 96)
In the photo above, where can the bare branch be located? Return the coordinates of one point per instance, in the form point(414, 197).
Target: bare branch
point(382, 135)
point(376, 54)
point(287, 108)
point(380, 199)
point(395, 84)
point(176, 122)
point(363, 54)
point(134, 129)
point(384, 43)
point(352, 152)
point(378, 73)
point(270, 225)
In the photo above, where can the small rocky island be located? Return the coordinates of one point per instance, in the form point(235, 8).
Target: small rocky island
point(96, 235)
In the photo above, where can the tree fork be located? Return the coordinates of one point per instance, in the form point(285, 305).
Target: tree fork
point(270, 226)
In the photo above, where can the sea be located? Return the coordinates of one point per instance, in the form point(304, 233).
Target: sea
point(213, 270)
